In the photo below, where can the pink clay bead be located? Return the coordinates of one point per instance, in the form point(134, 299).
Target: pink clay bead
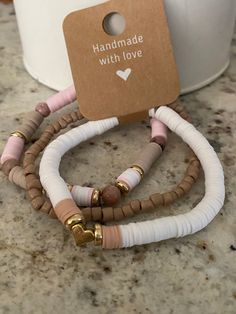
point(13, 149)
point(65, 209)
point(61, 99)
point(159, 129)
point(112, 238)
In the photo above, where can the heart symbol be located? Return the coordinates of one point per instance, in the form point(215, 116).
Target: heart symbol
point(81, 235)
point(124, 74)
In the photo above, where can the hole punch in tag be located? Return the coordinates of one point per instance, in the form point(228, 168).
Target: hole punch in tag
point(128, 70)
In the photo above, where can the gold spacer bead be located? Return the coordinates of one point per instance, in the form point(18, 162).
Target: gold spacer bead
point(19, 134)
point(138, 169)
point(122, 186)
point(95, 200)
point(98, 234)
point(74, 220)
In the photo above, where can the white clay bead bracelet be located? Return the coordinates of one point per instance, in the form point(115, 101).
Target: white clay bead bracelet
point(143, 232)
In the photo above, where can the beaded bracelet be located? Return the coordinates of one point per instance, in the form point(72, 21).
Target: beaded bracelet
point(15, 145)
point(40, 201)
point(71, 215)
point(84, 196)
point(149, 231)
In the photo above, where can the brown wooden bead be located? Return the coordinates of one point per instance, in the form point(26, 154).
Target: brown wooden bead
point(38, 146)
point(62, 123)
point(87, 212)
point(193, 172)
point(189, 179)
point(157, 199)
point(174, 196)
point(50, 129)
point(107, 214)
point(110, 195)
point(74, 116)
point(8, 165)
point(67, 118)
point(29, 169)
point(147, 205)
point(34, 151)
point(186, 186)
point(96, 213)
point(28, 160)
point(37, 202)
point(136, 206)
point(118, 214)
point(32, 181)
point(179, 191)
point(17, 177)
point(57, 126)
point(33, 193)
point(46, 207)
point(43, 108)
point(168, 198)
point(46, 136)
point(43, 142)
point(127, 210)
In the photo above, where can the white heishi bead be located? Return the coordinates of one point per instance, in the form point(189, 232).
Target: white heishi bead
point(82, 195)
point(50, 178)
point(201, 215)
point(130, 177)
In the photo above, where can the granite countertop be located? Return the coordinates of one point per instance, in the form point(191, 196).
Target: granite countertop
point(41, 270)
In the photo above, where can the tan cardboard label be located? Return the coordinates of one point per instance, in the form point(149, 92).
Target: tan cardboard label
point(124, 74)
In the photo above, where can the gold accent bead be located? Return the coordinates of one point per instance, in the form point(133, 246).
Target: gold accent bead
point(138, 169)
point(98, 234)
point(82, 235)
point(74, 220)
point(95, 200)
point(122, 186)
point(19, 134)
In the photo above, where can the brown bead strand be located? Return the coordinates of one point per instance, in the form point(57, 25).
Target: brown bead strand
point(141, 206)
point(40, 201)
point(34, 188)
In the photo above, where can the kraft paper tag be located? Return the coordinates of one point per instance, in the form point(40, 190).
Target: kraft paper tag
point(119, 76)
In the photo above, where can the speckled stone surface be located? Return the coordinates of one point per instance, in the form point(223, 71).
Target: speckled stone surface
point(41, 270)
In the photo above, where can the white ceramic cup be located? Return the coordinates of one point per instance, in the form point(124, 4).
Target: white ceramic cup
point(201, 33)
